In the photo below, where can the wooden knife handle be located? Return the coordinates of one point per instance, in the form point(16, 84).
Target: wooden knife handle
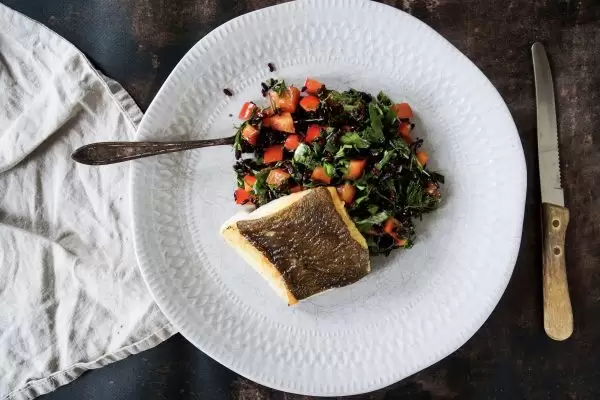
point(558, 315)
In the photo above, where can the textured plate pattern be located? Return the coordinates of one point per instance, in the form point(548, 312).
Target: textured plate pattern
point(417, 306)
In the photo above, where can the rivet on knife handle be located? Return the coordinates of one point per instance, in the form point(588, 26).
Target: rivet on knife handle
point(558, 315)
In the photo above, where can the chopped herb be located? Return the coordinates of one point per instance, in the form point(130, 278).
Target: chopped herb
point(342, 151)
point(276, 85)
point(375, 134)
point(401, 147)
point(368, 223)
point(329, 169)
point(373, 208)
point(304, 155)
point(384, 100)
point(354, 139)
point(387, 155)
point(237, 140)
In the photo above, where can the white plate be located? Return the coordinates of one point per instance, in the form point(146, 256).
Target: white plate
point(419, 305)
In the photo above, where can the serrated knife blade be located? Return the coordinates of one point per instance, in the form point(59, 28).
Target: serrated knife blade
point(558, 315)
point(547, 132)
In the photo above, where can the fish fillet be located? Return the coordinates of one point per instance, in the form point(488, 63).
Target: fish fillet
point(302, 244)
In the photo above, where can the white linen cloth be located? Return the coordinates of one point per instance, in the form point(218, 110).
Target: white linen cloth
point(71, 296)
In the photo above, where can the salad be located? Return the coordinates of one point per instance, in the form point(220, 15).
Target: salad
point(357, 142)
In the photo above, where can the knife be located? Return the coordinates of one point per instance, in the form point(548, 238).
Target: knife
point(558, 315)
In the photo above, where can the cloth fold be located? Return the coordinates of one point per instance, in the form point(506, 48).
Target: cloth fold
point(71, 296)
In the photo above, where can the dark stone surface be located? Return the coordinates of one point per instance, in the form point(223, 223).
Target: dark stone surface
point(138, 42)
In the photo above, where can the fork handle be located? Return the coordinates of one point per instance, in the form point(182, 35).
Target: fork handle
point(558, 314)
point(103, 153)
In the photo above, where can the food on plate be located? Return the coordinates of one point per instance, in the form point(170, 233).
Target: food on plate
point(302, 243)
point(361, 145)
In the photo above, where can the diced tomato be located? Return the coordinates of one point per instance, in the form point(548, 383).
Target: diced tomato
point(286, 101)
point(267, 112)
point(310, 103)
point(273, 154)
point(250, 134)
point(296, 189)
point(247, 110)
point(277, 176)
point(355, 169)
point(249, 181)
point(320, 175)
point(422, 157)
point(402, 110)
point(313, 132)
point(390, 226)
point(400, 242)
point(404, 129)
point(282, 122)
point(242, 196)
point(312, 86)
point(347, 192)
point(291, 142)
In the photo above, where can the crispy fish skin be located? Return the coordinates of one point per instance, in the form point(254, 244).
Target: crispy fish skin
point(303, 244)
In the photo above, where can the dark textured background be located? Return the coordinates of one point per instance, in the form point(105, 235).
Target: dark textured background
point(138, 42)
